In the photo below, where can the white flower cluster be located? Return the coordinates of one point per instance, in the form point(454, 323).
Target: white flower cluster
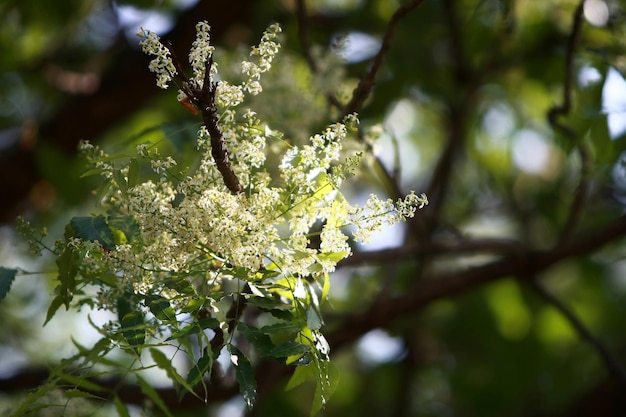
point(228, 95)
point(162, 64)
point(267, 227)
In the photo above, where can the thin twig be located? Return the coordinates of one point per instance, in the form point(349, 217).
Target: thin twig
point(581, 195)
point(363, 90)
point(456, 119)
point(563, 109)
point(611, 363)
point(582, 189)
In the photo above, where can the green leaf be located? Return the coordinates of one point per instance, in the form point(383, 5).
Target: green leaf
point(314, 319)
point(326, 384)
point(326, 287)
point(121, 181)
point(194, 305)
point(286, 349)
point(132, 323)
point(260, 340)
point(94, 229)
point(210, 323)
point(7, 276)
point(127, 225)
point(164, 363)
point(54, 306)
point(301, 375)
point(283, 327)
point(133, 172)
point(67, 264)
point(94, 171)
point(76, 393)
point(81, 382)
point(267, 303)
point(244, 374)
point(120, 407)
point(201, 367)
point(134, 330)
point(326, 377)
point(161, 308)
point(151, 393)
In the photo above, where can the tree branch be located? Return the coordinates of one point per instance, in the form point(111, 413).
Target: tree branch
point(450, 284)
point(364, 88)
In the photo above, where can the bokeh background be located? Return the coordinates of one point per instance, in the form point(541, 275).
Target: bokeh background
point(506, 296)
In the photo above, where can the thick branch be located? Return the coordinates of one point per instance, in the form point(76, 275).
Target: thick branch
point(450, 284)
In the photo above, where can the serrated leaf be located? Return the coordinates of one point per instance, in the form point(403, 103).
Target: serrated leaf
point(267, 303)
point(132, 323)
point(7, 276)
point(286, 349)
point(284, 327)
point(56, 302)
point(67, 264)
point(210, 323)
point(94, 229)
point(260, 340)
point(244, 375)
point(201, 367)
point(29, 406)
point(151, 393)
point(76, 393)
point(80, 381)
point(161, 308)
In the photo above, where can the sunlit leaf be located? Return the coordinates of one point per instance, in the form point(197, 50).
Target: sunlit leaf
point(161, 308)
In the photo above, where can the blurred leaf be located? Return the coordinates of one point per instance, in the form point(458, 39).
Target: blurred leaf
point(120, 407)
point(151, 393)
point(166, 364)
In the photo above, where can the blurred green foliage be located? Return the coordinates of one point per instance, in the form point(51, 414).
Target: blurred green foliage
point(477, 75)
